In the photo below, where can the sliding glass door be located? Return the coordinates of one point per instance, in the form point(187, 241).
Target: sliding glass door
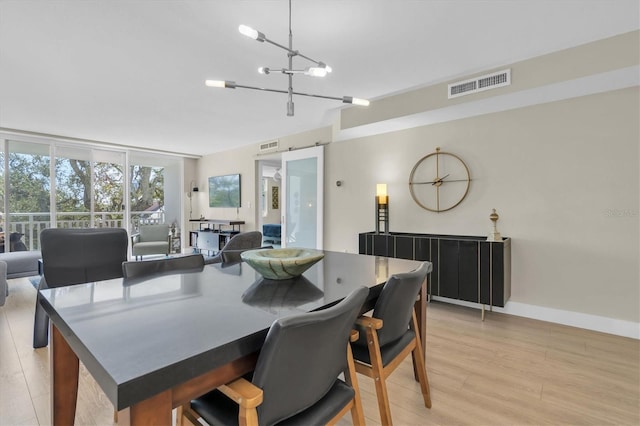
point(108, 189)
point(155, 190)
point(55, 184)
point(29, 195)
point(89, 188)
point(303, 186)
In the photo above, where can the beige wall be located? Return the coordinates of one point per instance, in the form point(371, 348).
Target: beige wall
point(601, 56)
point(563, 176)
point(230, 162)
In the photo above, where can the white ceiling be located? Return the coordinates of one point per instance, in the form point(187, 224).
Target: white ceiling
point(132, 72)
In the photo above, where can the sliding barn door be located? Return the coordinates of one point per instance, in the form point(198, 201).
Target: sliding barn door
point(303, 189)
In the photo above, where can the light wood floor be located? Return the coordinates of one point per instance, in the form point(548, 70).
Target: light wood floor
point(504, 371)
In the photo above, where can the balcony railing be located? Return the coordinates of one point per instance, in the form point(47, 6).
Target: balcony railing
point(32, 224)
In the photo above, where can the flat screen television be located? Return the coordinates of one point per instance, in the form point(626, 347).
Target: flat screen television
point(224, 191)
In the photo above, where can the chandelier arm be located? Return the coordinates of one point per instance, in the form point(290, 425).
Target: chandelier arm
point(288, 71)
point(290, 104)
point(310, 95)
point(293, 52)
point(271, 70)
point(263, 89)
point(309, 59)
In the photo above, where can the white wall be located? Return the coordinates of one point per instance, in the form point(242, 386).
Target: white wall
point(190, 200)
point(172, 185)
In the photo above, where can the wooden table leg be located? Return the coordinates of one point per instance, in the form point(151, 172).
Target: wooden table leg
point(154, 411)
point(64, 379)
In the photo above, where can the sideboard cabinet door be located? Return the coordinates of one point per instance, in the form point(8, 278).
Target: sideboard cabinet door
point(383, 245)
point(468, 279)
point(448, 262)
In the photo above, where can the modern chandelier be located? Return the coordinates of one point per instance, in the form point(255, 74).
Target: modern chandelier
point(319, 69)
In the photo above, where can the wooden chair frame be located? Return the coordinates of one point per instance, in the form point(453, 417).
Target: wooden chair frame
point(249, 397)
point(379, 374)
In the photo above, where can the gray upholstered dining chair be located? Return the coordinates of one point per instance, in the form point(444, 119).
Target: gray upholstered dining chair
point(143, 268)
point(135, 271)
point(243, 241)
point(296, 376)
point(390, 335)
point(75, 256)
point(151, 239)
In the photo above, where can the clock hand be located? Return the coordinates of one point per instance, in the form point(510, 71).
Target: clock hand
point(433, 182)
point(439, 180)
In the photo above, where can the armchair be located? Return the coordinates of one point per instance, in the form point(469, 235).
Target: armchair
point(152, 239)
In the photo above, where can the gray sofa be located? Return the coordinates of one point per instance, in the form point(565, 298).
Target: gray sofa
point(16, 264)
point(4, 287)
point(21, 263)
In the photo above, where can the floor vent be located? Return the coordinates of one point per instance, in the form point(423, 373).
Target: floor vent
point(268, 146)
point(479, 84)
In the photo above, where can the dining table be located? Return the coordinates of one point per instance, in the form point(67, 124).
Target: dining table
point(152, 344)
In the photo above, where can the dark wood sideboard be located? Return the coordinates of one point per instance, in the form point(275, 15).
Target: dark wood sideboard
point(464, 267)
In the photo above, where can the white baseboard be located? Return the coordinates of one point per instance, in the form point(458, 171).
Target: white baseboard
point(575, 319)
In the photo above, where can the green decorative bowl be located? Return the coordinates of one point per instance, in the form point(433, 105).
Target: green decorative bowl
point(283, 263)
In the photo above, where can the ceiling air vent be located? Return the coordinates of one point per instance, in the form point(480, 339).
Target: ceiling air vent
point(479, 84)
point(268, 146)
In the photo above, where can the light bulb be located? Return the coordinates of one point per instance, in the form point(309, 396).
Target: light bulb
point(248, 31)
point(264, 70)
point(316, 71)
point(355, 101)
point(361, 102)
point(381, 193)
point(215, 83)
point(225, 84)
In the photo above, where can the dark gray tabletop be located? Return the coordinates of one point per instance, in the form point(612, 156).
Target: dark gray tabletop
point(138, 338)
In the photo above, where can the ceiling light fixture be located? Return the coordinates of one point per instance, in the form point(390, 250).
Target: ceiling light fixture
point(320, 69)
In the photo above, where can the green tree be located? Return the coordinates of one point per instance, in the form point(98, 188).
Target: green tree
point(147, 186)
point(73, 185)
point(29, 185)
point(109, 187)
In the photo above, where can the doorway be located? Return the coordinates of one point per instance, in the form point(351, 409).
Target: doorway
point(290, 198)
point(268, 193)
